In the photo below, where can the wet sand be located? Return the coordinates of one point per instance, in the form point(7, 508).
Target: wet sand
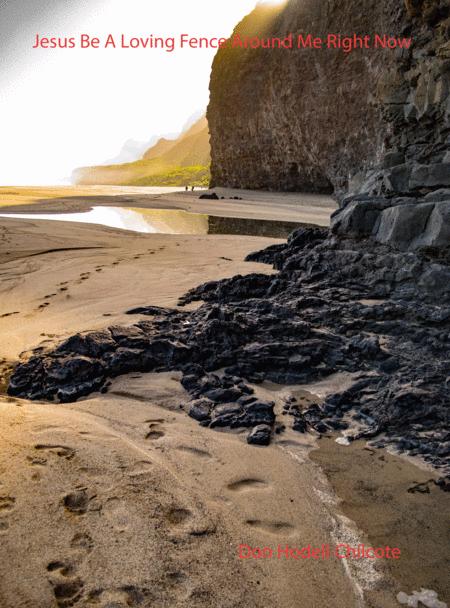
point(122, 500)
point(294, 207)
point(397, 504)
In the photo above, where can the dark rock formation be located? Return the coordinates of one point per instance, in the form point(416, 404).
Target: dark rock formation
point(372, 121)
point(334, 305)
point(211, 196)
point(404, 223)
point(260, 435)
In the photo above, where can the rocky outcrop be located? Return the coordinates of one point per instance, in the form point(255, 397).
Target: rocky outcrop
point(335, 305)
point(404, 223)
point(372, 121)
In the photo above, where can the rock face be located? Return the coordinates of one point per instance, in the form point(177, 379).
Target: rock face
point(335, 305)
point(404, 223)
point(372, 121)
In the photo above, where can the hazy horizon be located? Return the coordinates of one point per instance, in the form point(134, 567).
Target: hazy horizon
point(65, 108)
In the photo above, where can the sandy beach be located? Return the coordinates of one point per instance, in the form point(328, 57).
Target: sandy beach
point(120, 499)
point(279, 206)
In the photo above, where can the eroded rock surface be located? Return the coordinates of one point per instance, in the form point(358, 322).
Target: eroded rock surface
point(372, 121)
point(404, 223)
point(335, 305)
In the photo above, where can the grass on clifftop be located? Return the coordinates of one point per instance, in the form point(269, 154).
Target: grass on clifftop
point(145, 173)
point(196, 175)
point(184, 161)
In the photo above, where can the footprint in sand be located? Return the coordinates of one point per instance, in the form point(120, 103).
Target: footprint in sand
point(83, 277)
point(244, 485)
point(66, 587)
point(62, 575)
point(154, 434)
point(63, 568)
point(178, 515)
point(4, 526)
point(143, 467)
point(8, 314)
point(155, 430)
point(195, 451)
point(116, 512)
point(179, 586)
point(63, 451)
point(184, 520)
point(271, 527)
point(176, 576)
point(67, 593)
point(77, 502)
point(36, 476)
point(82, 541)
point(7, 505)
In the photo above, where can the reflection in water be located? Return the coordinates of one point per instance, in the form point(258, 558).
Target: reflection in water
point(114, 217)
point(168, 221)
point(251, 227)
point(173, 221)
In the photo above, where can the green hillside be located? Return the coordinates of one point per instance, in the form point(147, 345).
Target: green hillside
point(178, 162)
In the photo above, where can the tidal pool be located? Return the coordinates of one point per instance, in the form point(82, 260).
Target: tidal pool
point(168, 221)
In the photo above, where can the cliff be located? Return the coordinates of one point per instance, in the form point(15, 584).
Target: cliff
point(170, 162)
point(191, 148)
point(372, 121)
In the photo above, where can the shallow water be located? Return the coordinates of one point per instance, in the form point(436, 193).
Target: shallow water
point(167, 221)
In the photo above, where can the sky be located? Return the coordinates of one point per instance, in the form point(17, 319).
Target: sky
point(65, 108)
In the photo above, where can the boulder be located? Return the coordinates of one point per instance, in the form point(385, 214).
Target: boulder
point(227, 414)
point(200, 409)
point(397, 178)
point(260, 435)
point(442, 194)
point(437, 231)
point(430, 176)
point(400, 225)
point(358, 218)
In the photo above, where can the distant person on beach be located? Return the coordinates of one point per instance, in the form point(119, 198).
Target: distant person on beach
point(186, 188)
point(192, 189)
